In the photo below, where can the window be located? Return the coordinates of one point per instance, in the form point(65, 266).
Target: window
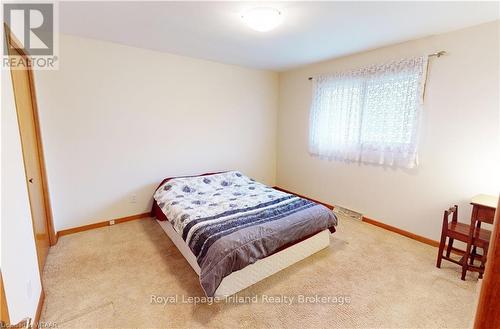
point(369, 115)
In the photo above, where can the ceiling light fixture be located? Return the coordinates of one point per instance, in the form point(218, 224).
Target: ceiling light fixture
point(263, 19)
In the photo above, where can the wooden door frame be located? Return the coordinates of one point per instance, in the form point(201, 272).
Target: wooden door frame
point(487, 312)
point(12, 41)
point(4, 309)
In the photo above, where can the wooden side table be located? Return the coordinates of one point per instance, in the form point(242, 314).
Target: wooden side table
point(483, 208)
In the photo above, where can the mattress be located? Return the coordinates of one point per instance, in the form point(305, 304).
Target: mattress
point(259, 270)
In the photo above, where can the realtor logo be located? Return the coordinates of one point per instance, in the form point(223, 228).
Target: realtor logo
point(33, 27)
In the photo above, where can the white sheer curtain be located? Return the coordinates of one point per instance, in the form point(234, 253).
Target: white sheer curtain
point(369, 115)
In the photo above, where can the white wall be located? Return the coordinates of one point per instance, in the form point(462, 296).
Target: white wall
point(116, 120)
point(459, 149)
point(21, 278)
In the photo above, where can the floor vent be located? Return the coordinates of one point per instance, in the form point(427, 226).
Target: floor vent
point(344, 212)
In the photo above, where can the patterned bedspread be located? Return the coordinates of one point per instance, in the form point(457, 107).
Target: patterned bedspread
point(229, 220)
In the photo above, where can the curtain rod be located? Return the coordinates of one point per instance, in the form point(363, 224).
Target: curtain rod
point(437, 54)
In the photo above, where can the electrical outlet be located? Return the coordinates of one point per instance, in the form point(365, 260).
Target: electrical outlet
point(133, 198)
point(112, 222)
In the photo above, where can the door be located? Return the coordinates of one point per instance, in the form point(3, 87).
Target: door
point(24, 95)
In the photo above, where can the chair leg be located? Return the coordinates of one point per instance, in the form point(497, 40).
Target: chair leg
point(483, 262)
point(465, 260)
point(473, 255)
point(440, 251)
point(450, 246)
point(464, 270)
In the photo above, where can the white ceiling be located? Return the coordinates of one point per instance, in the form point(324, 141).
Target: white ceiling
point(311, 31)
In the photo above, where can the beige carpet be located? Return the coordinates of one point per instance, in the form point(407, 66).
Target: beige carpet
point(105, 278)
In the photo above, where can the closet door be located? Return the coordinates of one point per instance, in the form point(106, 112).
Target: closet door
point(24, 95)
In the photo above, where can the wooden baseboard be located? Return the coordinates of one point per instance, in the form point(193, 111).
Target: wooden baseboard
point(39, 308)
point(365, 219)
point(101, 224)
point(329, 206)
point(407, 234)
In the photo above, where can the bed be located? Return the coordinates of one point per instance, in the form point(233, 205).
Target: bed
point(234, 231)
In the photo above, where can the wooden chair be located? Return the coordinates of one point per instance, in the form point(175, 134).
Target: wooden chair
point(473, 235)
